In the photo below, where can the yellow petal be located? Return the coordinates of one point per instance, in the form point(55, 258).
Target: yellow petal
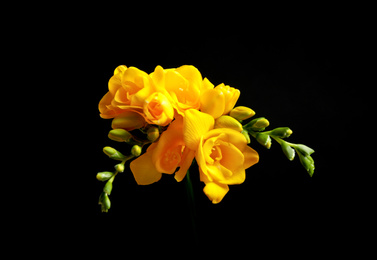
point(187, 157)
point(195, 125)
point(212, 102)
point(144, 171)
point(251, 157)
point(215, 191)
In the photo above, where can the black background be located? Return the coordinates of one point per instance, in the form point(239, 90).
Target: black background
point(302, 78)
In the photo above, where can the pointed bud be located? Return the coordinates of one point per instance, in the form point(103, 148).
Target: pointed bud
point(119, 167)
point(128, 120)
point(113, 154)
point(246, 134)
point(288, 151)
point(282, 132)
point(303, 149)
point(120, 135)
point(153, 134)
point(108, 186)
point(257, 124)
point(242, 113)
point(104, 201)
point(308, 163)
point(136, 150)
point(228, 122)
point(264, 140)
point(104, 176)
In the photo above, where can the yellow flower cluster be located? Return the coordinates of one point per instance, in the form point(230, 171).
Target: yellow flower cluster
point(200, 119)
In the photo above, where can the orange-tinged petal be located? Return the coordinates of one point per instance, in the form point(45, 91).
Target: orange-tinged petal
point(251, 157)
point(187, 157)
point(212, 102)
point(215, 191)
point(144, 171)
point(195, 125)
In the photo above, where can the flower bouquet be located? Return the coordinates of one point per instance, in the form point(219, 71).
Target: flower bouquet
point(172, 117)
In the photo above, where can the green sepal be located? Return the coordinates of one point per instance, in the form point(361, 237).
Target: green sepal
point(113, 154)
point(264, 140)
point(104, 201)
point(303, 149)
point(282, 132)
point(287, 150)
point(108, 187)
point(308, 163)
point(104, 176)
point(257, 124)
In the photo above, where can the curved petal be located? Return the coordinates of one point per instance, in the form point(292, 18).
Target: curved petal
point(251, 157)
point(144, 171)
point(187, 157)
point(215, 191)
point(212, 102)
point(195, 125)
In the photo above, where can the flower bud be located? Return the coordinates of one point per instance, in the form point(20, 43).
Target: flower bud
point(120, 135)
point(104, 176)
point(128, 120)
point(242, 113)
point(303, 149)
point(257, 124)
point(288, 151)
point(308, 163)
point(136, 150)
point(108, 187)
point(119, 167)
point(246, 134)
point(104, 201)
point(228, 122)
point(113, 154)
point(282, 132)
point(264, 140)
point(153, 134)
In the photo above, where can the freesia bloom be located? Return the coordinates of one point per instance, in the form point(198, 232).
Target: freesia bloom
point(164, 156)
point(128, 89)
point(182, 85)
point(222, 154)
point(219, 100)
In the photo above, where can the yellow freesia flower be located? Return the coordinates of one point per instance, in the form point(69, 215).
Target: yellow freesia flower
point(222, 154)
point(164, 156)
point(128, 89)
point(219, 100)
point(158, 109)
point(182, 86)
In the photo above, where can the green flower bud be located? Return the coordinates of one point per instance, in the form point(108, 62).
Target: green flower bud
point(104, 176)
point(119, 167)
point(242, 113)
point(104, 201)
point(108, 186)
point(308, 163)
point(246, 134)
point(264, 140)
point(288, 151)
point(153, 134)
point(257, 124)
point(120, 135)
point(303, 149)
point(228, 122)
point(113, 154)
point(281, 132)
point(136, 150)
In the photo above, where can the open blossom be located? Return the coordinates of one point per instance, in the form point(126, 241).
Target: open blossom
point(222, 154)
point(128, 88)
point(164, 156)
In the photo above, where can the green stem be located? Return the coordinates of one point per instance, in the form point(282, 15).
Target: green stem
point(191, 203)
